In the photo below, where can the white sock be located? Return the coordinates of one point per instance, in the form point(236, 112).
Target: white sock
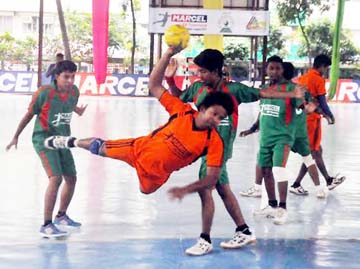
point(257, 186)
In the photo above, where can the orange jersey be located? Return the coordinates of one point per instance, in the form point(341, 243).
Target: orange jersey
point(315, 85)
point(172, 146)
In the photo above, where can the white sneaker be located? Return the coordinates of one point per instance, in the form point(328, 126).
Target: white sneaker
point(267, 212)
point(337, 180)
point(299, 190)
point(201, 247)
point(280, 216)
point(239, 240)
point(251, 192)
point(322, 193)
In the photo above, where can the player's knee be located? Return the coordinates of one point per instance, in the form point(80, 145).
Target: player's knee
point(280, 174)
point(308, 160)
point(95, 146)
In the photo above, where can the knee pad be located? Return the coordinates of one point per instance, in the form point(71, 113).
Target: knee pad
point(95, 146)
point(308, 160)
point(280, 174)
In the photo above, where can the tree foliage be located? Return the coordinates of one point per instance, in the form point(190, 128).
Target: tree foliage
point(297, 12)
point(320, 35)
point(233, 51)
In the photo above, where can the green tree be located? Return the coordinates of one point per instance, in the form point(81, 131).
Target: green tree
point(6, 45)
point(25, 51)
point(297, 11)
point(320, 35)
point(233, 51)
point(276, 42)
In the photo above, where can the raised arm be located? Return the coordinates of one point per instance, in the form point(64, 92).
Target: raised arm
point(169, 77)
point(156, 77)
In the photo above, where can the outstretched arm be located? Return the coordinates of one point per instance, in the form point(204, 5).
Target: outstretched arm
point(157, 74)
point(24, 121)
point(298, 92)
point(209, 181)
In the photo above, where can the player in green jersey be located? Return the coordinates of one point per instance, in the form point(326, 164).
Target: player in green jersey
point(301, 146)
point(210, 63)
point(277, 128)
point(53, 106)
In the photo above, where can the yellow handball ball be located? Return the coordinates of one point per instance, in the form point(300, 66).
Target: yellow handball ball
point(177, 35)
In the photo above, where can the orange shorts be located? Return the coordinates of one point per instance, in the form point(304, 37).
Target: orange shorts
point(314, 133)
point(124, 150)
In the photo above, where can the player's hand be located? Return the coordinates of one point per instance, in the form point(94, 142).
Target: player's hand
point(80, 109)
point(245, 133)
point(171, 68)
point(299, 91)
point(177, 193)
point(13, 142)
point(310, 107)
point(330, 120)
point(172, 50)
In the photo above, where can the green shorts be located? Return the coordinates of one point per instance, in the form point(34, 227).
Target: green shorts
point(301, 145)
point(274, 156)
point(223, 179)
point(57, 162)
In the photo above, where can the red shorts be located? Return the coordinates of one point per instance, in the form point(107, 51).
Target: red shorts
point(124, 150)
point(314, 133)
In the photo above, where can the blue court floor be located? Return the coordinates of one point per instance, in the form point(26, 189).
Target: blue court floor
point(123, 228)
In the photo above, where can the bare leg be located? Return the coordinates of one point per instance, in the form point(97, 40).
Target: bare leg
point(302, 172)
point(283, 190)
point(67, 192)
point(207, 210)
point(258, 175)
point(50, 196)
point(269, 182)
point(231, 204)
point(314, 174)
point(317, 155)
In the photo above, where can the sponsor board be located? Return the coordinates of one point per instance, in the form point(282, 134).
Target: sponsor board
point(348, 90)
point(115, 84)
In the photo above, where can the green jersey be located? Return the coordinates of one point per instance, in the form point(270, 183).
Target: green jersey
point(227, 127)
point(53, 113)
point(278, 117)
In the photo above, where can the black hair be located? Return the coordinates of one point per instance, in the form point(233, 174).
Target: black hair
point(289, 70)
point(219, 98)
point(59, 54)
point(210, 59)
point(322, 60)
point(65, 65)
point(275, 59)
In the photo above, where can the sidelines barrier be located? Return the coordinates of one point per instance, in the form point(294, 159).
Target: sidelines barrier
point(348, 90)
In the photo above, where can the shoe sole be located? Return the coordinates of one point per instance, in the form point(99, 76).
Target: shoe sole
point(233, 247)
point(334, 186)
point(192, 254)
point(54, 235)
point(249, 195)
point(299, 194)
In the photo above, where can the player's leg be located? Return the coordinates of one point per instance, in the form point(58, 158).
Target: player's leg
point(67, 192)
point(281, 176)
point(265, 162)
point(243, 235)
point(254, 191)
point(51, 163)
point(204, 245)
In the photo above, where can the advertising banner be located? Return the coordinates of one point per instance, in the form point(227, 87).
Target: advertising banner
point(348, 90)
point(115, 84)
point(209, 21)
